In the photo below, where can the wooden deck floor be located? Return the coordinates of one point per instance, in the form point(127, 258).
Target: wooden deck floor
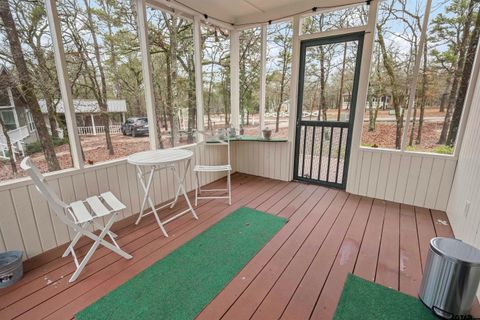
point(299, 274)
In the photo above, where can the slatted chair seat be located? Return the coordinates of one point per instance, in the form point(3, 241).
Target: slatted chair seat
point(79, 215)
point(98, 208)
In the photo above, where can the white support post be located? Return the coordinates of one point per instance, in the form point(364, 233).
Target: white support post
point(292, 123)
point(147, 73)
point(416, 70)
point(197, 43)
point(123, 117)
point(235, 79)
point(365, 64)
point(92, 118)
point(263, 76)
point(64, 83)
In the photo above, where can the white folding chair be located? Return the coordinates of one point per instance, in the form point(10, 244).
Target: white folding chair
point(222, 139)
point(79, 215)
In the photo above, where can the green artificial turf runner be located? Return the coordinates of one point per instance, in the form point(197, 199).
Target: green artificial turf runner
point(180, 285)
point(362, 299)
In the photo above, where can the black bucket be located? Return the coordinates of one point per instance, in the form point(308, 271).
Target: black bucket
point(11, 268)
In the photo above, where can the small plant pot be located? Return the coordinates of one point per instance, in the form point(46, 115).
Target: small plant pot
point(221, 134)
point(267, 134)
point(232, 133)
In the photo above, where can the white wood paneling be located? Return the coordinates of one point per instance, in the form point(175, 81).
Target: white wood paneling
point(411, 178)
point(466, 185)
point(463, 207)
point(264, 159)
point(27, 223)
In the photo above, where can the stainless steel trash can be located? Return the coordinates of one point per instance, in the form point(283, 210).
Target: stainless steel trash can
point(451, 277)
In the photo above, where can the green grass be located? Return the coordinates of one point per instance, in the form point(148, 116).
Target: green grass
point(35, 147)
point(443, 150)
point(362, 299)
point(180, 285)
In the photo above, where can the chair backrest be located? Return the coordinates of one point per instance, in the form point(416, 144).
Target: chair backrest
point(56, 204)
point(220, 138)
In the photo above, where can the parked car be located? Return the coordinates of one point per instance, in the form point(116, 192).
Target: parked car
point(135, 126)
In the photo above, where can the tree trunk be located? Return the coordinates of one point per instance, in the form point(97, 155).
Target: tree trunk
point(462, 91)
point(169, 105)
point(173, 61)
point(457, 75)
point(282, 86)
point(342, 77)
point(9, 146)
point(412, 126)
point(423, 99)
point(26, 86)
point(444, 99)
point(397, 96)
point(371, 114)
point(323, 100)
point(51, 111)
point(101, 94)
point(192, 107)
point(113, 52)
point(45, 85)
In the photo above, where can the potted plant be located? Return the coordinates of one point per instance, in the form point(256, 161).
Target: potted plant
point(267, 133)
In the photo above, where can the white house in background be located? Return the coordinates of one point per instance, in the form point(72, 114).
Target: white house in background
point(88, 114)
point(15, 115)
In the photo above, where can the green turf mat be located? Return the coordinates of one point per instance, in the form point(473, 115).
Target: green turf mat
point(180, 285)
point(362, 299)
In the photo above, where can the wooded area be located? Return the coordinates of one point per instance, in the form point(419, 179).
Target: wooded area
point(444, 75)
point(101, 44)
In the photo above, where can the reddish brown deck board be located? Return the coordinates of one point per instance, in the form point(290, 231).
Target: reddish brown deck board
point(276, 300)
point(410, 266)
point(303, 301)
point(303, 265)
point(426, 231)
point(366, 265)
point(344, 262)
point(441, 223)
point(388, 256)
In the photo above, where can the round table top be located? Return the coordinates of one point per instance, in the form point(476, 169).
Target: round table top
point(159, 157)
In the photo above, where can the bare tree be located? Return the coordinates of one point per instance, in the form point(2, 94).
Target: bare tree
point(9, 146)
point(99, 89)
point(465, 80)
point(457, 73)
point(25, 82)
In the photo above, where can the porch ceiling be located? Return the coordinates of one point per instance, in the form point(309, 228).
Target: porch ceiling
point(256, 11)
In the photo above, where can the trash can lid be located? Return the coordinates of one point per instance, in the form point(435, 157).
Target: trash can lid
point(456, 249)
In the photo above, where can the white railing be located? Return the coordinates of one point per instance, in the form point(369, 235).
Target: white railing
point(15, 135)
point(16, 139)
point(93, 131)
point(17, 147)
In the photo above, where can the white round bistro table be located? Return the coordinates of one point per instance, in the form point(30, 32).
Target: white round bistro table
point(155, 160)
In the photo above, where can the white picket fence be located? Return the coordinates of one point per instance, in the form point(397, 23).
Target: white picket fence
point(93, 131)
